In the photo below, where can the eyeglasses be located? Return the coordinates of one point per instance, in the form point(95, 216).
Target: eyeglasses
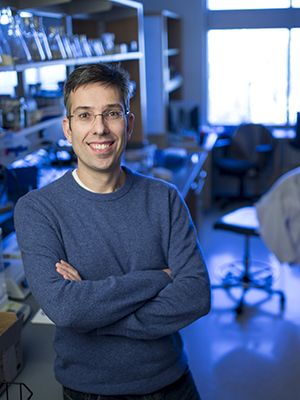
point(86, 118)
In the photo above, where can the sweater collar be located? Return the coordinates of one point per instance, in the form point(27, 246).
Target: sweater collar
point(77, 185)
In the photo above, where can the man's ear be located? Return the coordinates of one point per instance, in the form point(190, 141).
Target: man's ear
point(67, 129)
point(130, 121)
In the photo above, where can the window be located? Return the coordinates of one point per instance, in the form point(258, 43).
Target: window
point(248, 4)
point(253, 72)
point(247, 76)
point(294, 95)
point(49, 76)
point(8, 81)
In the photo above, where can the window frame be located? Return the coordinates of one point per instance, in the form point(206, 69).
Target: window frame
point(243, 19)
point(247, 8)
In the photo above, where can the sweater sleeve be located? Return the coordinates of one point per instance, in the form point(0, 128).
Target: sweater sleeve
point(84, 305)
point(180, 303)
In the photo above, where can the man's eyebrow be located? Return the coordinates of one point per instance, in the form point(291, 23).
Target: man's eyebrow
point(82, 108)
point(106, 107)
point(115, 105)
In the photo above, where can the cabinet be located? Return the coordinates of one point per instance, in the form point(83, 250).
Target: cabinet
point(123, 18)
point(163, 67)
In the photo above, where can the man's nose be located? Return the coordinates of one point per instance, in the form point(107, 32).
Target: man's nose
point(99, 123)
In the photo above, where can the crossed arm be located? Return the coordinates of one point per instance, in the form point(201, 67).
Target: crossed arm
point(178, 306)
point(142, 304)
point(68, 272)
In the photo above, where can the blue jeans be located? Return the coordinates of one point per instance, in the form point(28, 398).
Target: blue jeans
point(183, 389)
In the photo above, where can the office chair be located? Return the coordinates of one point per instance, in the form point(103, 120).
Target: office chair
point(248, 274)
point(296, 142)
point(248, 154)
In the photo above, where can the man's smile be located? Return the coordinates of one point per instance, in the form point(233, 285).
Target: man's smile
point(100, 146)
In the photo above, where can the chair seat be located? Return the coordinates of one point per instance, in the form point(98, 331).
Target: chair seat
point(243, 220)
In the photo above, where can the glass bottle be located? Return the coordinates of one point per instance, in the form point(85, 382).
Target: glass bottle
point(97, 46)
point(13, 34)
point(13, 109)
point(39, 28)
point(73, 46)
point(66, 42)
point(76, 47)
point(91, 44)
point(32, 40)
point(56, 44)
point(109, 42)
point(5, 53)
point(86, 51)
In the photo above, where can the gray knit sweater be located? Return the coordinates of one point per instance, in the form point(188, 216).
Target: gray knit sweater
point(117, 329)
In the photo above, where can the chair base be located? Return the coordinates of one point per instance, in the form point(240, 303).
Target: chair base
point(262, 276)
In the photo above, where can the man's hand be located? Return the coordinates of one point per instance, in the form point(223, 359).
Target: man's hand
point(67, 271)
point(168, 271)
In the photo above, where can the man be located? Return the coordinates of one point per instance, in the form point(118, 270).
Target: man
point(112, 257)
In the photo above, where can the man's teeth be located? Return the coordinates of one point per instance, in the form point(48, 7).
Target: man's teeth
point(100, 146)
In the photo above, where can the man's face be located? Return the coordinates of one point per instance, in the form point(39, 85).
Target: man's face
point(98, 145)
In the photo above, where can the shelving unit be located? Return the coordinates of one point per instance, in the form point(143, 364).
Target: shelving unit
point(163, 67)
point(124, 18)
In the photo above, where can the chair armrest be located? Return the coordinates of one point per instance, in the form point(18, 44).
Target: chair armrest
point(264, 148)
point(223, 142)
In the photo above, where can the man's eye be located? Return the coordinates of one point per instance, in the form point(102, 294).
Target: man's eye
point(84, 116)
point(113, 114)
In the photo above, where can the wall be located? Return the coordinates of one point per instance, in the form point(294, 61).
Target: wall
point(192, 24)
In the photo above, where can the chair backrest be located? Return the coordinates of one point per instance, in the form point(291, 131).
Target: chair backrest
point(245, 142)
point(296, 141)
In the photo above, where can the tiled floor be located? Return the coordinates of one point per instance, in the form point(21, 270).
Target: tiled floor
point(254, 356)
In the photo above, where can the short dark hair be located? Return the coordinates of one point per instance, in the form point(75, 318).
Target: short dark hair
point(106, 74)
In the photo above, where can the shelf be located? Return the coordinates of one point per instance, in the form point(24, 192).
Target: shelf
point(173, 84)
point(171, 52)
point(5, 68)
point(136, 55)
point(163, 67)
point(40, 126)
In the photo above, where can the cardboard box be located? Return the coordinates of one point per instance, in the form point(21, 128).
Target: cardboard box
point(11, 362)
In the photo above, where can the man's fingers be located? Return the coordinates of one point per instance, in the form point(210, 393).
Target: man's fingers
point(168, 271)
point(67, 271)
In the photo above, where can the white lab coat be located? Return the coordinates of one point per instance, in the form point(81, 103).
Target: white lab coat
point(278, 212)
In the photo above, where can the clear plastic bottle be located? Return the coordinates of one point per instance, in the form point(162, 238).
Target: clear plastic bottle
point(56, 44)
point(39, 28)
